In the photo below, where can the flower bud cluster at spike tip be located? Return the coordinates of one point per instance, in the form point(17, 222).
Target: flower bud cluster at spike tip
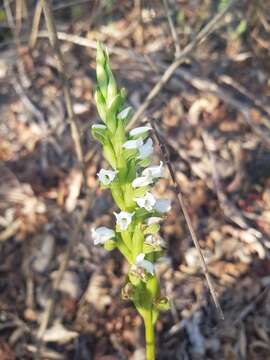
point(130, 176)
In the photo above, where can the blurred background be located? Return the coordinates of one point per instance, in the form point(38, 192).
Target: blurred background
point(60, 297)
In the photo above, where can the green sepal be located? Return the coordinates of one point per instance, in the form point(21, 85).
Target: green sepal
point(152, 229)
point(100, 135)
point(101, 105)
point(112, 88)
point(117, 195)
point(155, 315)
point(109, 155)
point(148, 249)
point(110, 245)
point(137, 240)
point(152, 286)
point(130, 154)
point(135, 281)
point(141, 191)
point(145, 162)
point(125, 115)
point(129, 196)
point(111, 120)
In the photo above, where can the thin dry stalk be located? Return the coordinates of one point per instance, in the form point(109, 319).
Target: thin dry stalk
point(35, 25)
point(50, 23)
point(173, 29)
point(201, 36)
point(165, 155)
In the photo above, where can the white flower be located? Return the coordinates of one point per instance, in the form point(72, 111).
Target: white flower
point(106, 176)
point(133, 144)
point(155, 241)
point(147, 201)
point(153, 220)
point(102, 234)
point(99, 126)
point(141, 181)
point(125, 113)
point(123, 219)
point(154, 171)
point(139, 130)
point(146, 149)
point(145, 264)
point(162, 205)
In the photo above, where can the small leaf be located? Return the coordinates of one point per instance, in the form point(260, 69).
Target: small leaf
point(110, 245)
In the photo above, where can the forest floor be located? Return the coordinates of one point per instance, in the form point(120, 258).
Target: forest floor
point(214, 116)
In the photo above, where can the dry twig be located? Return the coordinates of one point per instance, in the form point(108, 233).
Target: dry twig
point(173, 30)
point(201, 36)
point(165, 155)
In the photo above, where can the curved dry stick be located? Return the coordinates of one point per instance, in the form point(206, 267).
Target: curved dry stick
point(208, 29)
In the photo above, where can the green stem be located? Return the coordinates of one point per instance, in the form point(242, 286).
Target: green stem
point(149, 335)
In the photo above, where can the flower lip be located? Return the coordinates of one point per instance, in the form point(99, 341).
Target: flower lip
point(102, 234)
point(139, 130)
point(154, 171)
point(147, 201)
point(141, 181)
point(133, 144)
point(106, 176)
point(162, 205)
point(146, 149)
point(145, 264)
point(123, 219)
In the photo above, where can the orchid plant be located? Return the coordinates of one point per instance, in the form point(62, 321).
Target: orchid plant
point(130, 179)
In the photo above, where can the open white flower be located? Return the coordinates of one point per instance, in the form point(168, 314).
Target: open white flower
point(99, 126)
point(141, 181)
point(145, 264)
point(154, 171)
point(133, 144)
point(106, 176)
point(147, 201)
point(123, 219)
point(139, 130)
point(153, 220)
point(102, 234)
point(162, 205)
point(146, 149)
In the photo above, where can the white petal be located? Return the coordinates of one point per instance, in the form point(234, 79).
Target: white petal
point(163, 205)
point(147, 201)
point(133, 144)
point(154, 171)
point(123, 219)
point(139, 130)
point(124, 113)
point(153, 220)
point(106, 176)
point(99, 126)
point(141, 181)
point(102, 234)
point(145, 264)
point(146, 149)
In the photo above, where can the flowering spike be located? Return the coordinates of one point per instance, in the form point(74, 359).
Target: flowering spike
point(130, 181)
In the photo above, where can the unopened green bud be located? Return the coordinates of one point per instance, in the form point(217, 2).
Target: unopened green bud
point(102, 76)
point(112, 88)
point(101, 105)
point(110, 245)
